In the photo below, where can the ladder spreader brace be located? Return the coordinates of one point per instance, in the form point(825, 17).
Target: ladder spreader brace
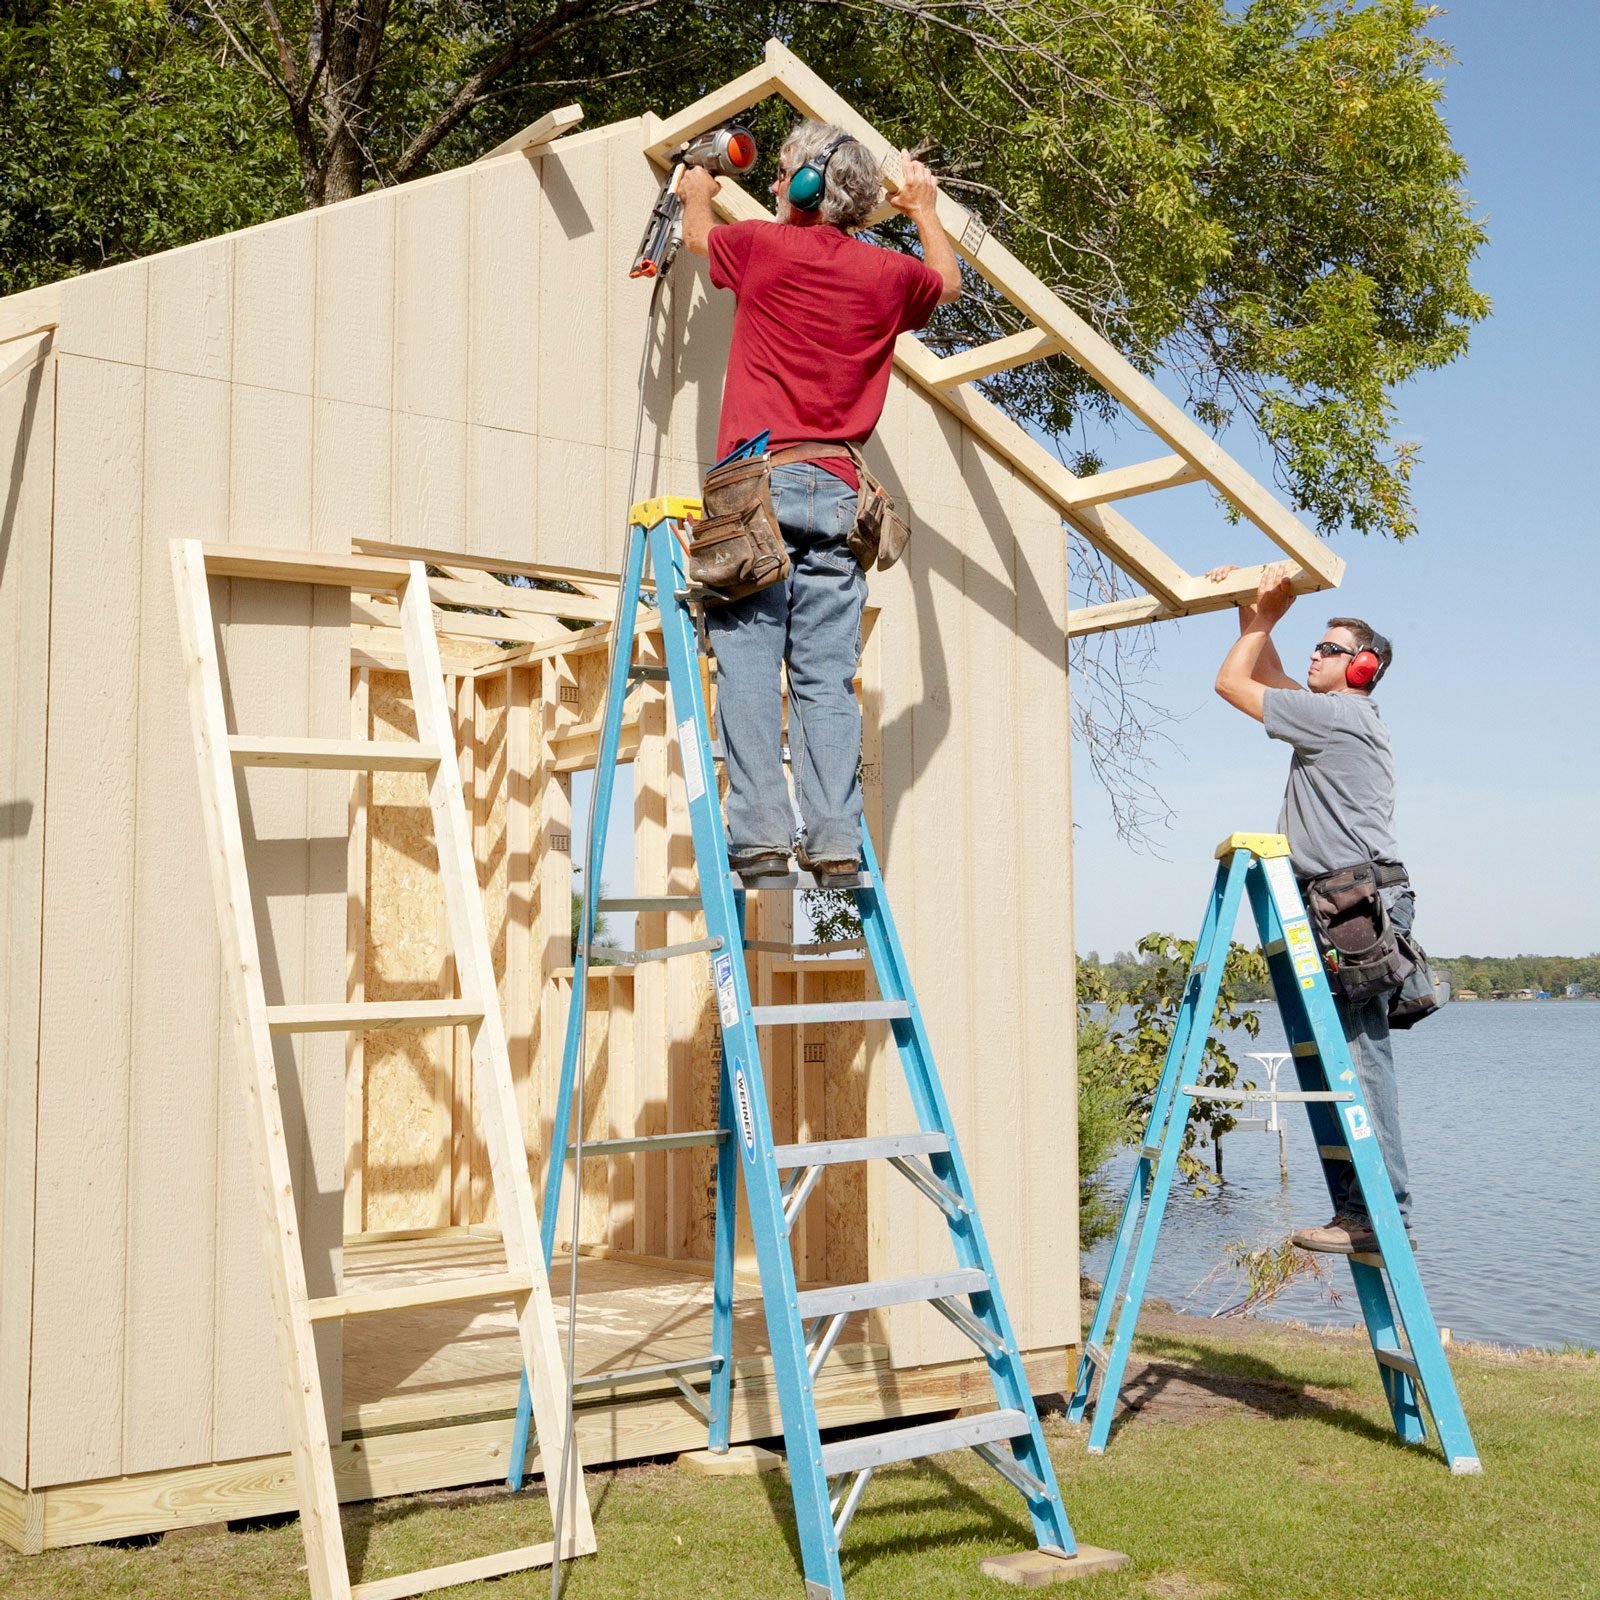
point(1257, 866)
point(802, 1327)
point(218, 751)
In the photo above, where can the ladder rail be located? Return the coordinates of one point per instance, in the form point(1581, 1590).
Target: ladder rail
point(309, 1443)
point(1166, 1103)
point(1402, 1305)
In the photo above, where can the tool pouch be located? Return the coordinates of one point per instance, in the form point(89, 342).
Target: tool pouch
point(881, 533)
point(1360, 945)
point(1418, 996)
point(737, 548)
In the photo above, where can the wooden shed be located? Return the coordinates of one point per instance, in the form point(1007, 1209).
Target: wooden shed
point(447, 369)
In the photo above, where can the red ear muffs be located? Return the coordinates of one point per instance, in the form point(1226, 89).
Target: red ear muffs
point(1362, 668)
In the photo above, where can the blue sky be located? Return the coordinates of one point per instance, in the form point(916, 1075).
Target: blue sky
point(1492, 606)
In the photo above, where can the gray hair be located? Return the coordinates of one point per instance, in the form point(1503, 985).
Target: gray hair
point(854, 185)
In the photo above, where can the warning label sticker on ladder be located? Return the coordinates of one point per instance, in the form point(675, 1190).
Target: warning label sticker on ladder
point(727, 1000)
point(694, 778)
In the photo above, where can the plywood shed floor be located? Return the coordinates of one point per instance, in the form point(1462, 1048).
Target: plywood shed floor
point(429, 1393)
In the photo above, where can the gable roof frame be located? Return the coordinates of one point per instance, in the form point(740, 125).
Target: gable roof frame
point(1087, 504)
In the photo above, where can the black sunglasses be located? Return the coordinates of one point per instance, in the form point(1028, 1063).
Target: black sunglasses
point(1328, 648)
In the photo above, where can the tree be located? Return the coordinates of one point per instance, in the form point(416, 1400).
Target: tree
point(128, 129)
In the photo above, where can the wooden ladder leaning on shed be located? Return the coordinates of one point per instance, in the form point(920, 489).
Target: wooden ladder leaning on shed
point(218, 751)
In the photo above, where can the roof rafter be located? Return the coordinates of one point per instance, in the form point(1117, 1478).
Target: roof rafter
point(1054, 328)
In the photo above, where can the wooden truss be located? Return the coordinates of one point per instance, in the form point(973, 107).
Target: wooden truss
point(1086, 503)
point(220, 750)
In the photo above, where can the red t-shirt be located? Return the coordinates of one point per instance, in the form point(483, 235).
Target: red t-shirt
point(813, 333)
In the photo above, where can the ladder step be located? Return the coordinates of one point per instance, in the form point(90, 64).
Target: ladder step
point(1300, 1096)
point(801, 880)
point(649, 1141)
point(931, 1439)
point(832, 1152)
point(1335, 1152)
point(653, 902)
point(474, 1571)
point(1097, 1355)
point(406, 1296)
point(666, 952)
point(842, 1011)
point(1400, 1361)
point(665, 1369)
point(333, 755)
point(851, 1297)
point(777, 947)
point(1151, 1152)
point(357, 1017)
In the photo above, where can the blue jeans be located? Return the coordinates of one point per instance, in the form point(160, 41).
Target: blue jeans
point(812, 623)
point(1366, 1027)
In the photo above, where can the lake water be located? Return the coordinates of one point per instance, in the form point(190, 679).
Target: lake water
point(1499, 1102)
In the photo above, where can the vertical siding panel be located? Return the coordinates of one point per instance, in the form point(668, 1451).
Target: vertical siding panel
point(274, 325)
point(991, 1079)
point(27, 421)
point(84, 1061)
point(430, 482)
point(175, 1089)
point(355, 301)
point(572, 296)
point(191, 310)
point(431, 269)
point(286, 677)
point(103, 314)
point(1045, 1317)
point(507, 205)
point(350, 496)
point(502, 493)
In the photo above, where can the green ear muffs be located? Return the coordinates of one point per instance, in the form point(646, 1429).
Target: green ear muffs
point(810, 182)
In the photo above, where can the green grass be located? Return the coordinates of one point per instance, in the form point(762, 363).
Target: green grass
point(1263, 1466)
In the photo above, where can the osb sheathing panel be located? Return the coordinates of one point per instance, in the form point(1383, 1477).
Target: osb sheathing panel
point(408, 1070)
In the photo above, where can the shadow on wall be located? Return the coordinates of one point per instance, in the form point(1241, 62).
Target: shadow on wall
point(32, 388)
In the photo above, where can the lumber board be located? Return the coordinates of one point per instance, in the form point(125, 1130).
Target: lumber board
point(32, 311)
point(368, 1014)
point(999, 355)
point(478, 1570)
point(309, 1441)
point(329, 755)
point(541, 1350)
point(355, 1059)
point(1143, 478)
point(552, 125)
point(363, 573)
point(373, 1302)
point(21, 1519)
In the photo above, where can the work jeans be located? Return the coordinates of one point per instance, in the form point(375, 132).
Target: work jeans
point(812, 622)
point(1366, 1028)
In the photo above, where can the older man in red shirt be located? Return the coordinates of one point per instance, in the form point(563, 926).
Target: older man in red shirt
point(814, 327)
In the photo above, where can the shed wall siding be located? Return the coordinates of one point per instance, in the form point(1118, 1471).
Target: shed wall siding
point(451, 365)
point(27, 415)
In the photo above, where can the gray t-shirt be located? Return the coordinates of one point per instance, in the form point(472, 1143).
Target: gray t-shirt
point(1338, 807)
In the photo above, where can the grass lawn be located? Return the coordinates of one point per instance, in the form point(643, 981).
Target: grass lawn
point(1261, 1465)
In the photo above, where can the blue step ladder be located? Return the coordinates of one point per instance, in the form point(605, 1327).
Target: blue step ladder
point(802, 1327)
point(1414, 1372)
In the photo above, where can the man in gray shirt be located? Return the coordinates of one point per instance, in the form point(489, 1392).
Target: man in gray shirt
point(1338, 811)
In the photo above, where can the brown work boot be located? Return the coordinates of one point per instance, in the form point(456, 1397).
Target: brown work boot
point(764, 864)
point(1345, 1235)
point(829, 874)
